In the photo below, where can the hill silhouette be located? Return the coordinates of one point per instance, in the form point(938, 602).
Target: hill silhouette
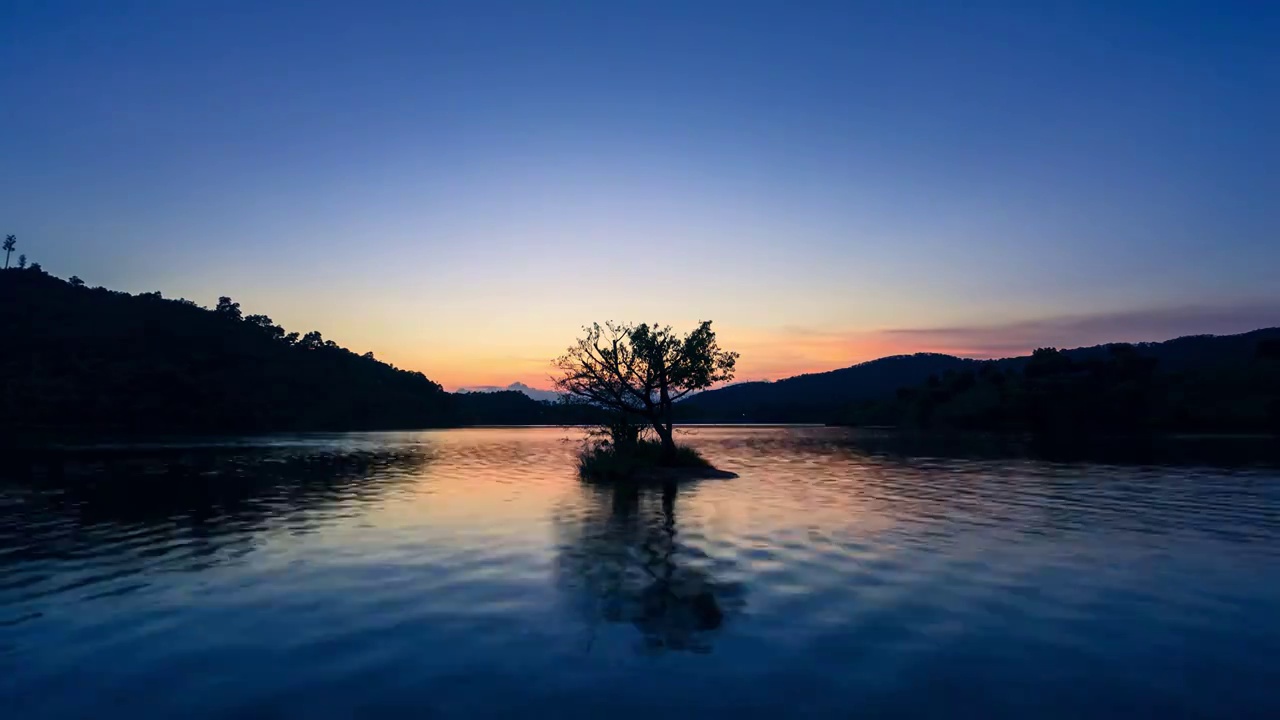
point(76, 358)
point(513, 407)
point(816, 397)
point(94, 360)
point(1194, 383)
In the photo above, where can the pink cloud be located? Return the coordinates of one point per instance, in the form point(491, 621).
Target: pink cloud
point(1068, 331)
point(797, 350)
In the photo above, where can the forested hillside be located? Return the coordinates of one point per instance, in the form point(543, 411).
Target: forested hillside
point(1196, 383)
point(75, 357)
point(817, 397)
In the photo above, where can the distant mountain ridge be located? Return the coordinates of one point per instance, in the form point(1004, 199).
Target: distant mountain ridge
point(535, 393)
point(815, 397)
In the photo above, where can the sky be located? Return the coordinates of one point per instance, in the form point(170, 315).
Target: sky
point(460, 187)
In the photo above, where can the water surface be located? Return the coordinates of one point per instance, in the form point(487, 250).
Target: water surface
point(468, 573)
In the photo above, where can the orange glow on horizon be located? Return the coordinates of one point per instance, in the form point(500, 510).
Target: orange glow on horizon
point(765, 355)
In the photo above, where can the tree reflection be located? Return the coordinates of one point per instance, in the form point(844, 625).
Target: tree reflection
point(621, 559)
point(204, 503)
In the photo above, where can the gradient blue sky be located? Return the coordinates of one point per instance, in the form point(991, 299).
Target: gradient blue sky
point(460, 186)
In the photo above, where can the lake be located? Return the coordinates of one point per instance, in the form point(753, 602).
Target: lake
point(469, 573)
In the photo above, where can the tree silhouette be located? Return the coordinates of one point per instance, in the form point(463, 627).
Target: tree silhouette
point(75, 281)
point(639, 371)
point(266, 325)
point(228, 309)
point(22, 262)
point(10, 242)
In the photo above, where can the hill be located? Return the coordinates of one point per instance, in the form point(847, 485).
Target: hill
point(816, 397)
point(1183, 354)
point(512, 407)
point(1186, 379)
point(90, 359)
point(1201, 384)
point(76, 358)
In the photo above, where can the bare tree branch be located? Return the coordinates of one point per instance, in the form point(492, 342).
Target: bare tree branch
point(641, 370)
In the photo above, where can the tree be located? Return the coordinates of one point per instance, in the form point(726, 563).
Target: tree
point(1046, 361)
point(10, 242)
point(76, 281)
point(227, 308)
point(640, 371)
point(267, 326)
point(22, 262)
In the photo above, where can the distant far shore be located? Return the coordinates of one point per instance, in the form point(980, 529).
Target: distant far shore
point(81, 438)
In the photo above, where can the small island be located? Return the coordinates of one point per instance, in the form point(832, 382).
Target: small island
point(632, 375)
point(643, 463)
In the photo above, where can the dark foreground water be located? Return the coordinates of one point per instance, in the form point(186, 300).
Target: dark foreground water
point(469, 574)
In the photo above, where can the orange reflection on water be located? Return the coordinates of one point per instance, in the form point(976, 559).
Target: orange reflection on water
point(511, 481)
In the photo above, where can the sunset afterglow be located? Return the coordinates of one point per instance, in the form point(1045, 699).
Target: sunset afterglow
point(460, 191)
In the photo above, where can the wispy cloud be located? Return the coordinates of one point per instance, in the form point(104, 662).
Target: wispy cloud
point(794, 350)
point(1078, 330)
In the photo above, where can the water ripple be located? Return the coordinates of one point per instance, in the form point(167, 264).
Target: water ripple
point(469, 573)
